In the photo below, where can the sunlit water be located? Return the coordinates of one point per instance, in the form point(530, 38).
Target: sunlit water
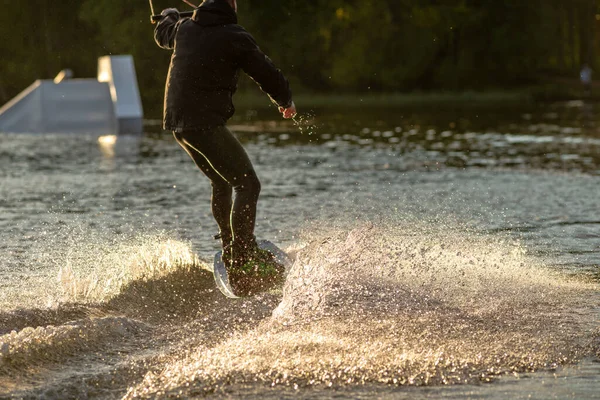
point(449, 253)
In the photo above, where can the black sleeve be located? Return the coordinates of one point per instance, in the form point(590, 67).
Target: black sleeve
point(165, 31)
point(262, 70)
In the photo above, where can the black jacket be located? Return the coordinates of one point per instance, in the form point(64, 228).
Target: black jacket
point(209, 50)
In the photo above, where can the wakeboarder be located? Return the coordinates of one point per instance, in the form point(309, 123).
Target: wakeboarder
point(209, 50)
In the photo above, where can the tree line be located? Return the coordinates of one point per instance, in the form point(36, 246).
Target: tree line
point(322, 45)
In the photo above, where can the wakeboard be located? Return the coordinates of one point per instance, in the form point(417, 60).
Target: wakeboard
point(220, 272)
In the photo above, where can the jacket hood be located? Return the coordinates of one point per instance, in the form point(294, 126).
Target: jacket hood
point(214, 12)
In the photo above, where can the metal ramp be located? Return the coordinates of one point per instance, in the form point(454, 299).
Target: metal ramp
point(105, 106)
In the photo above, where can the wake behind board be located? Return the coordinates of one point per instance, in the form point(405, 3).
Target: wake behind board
point(220, 273)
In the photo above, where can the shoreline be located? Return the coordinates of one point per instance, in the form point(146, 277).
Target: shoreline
point(517, 97)
point(252, 99)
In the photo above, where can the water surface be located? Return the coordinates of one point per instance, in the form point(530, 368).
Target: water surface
point(447, 252)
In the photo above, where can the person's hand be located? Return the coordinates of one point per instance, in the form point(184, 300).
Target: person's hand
point(289, 112)
point(170, 11)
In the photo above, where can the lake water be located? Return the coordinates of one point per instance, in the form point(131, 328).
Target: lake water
point(447, 252)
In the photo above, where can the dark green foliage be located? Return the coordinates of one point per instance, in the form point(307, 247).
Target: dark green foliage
point(323, 45)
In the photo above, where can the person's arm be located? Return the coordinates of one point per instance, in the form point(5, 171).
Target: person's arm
point(270, 79)
point(166, 29)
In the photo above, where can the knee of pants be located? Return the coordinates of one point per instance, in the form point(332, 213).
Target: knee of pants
point(221, 187)
point(249, 184)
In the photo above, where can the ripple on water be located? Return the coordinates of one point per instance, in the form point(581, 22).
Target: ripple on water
point(33, 346)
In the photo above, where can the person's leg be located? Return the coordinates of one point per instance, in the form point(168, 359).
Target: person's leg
point(217, 152)
point(221, 191)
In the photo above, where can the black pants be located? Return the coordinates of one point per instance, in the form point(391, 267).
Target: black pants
point(224, 161)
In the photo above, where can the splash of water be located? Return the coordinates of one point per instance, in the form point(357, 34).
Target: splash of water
point(305, 123)
point(97, 276)
point(401, 306)
point(122, 292)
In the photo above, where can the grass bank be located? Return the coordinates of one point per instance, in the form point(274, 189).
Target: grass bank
point(255, 99)
point(548, 91)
